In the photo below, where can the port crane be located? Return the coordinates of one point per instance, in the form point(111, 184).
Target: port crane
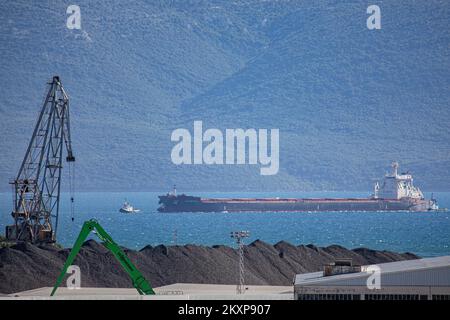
point(138, 280)
point(36, 188)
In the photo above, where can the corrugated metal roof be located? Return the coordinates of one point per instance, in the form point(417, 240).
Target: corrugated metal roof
point(385, 268)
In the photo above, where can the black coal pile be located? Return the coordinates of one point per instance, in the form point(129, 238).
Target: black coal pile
point(25, 266)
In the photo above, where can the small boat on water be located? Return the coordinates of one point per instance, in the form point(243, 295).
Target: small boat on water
point(128, 208)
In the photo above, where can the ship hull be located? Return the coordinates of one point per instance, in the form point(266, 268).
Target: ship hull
point(195, 204)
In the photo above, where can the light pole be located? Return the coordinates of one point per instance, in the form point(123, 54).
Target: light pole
point(239, 235)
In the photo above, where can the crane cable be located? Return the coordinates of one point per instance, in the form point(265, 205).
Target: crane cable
point(72, 190)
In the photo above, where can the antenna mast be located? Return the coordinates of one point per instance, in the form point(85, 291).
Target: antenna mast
point(239, 235)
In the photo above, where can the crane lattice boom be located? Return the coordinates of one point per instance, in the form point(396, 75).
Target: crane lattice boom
point(38, 183)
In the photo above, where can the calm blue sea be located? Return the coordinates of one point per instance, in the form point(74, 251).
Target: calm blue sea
point(425, 234)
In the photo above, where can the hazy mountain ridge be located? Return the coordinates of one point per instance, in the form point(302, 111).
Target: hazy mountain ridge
point(347, 100)
point(331, 108)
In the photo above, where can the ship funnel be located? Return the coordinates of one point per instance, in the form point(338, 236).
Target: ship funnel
point(395, 168)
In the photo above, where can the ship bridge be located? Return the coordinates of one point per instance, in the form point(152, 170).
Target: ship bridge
point(397, 186)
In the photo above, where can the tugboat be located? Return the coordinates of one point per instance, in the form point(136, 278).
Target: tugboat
point(395, 193)
point(128, 208)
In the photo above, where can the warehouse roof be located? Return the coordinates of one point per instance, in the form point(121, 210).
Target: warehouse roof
point(385, 268)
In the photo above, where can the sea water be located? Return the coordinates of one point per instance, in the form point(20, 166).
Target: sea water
point(423, 233)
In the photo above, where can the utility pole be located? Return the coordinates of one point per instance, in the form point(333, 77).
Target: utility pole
point(239, 236)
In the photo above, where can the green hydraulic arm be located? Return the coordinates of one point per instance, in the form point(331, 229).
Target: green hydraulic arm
point(139, 282)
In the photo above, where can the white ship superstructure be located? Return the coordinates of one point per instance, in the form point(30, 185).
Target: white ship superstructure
point(397, 186)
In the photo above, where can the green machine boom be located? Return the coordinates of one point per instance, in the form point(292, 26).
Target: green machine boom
point(139, 282)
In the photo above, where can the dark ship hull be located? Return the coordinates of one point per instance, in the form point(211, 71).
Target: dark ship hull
point(396, 193)
point(185, 203)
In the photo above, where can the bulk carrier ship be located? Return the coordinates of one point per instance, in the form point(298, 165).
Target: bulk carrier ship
point(396, 193)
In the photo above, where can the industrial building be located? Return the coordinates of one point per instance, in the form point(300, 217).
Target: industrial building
point(421, 279)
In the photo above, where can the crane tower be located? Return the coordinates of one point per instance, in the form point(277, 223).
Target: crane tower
point(36, 188)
